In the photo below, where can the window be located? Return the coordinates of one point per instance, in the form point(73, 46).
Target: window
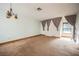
point(67, 28)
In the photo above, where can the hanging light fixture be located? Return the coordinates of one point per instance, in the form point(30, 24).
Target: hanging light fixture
point(10, 13)
point(39, 9)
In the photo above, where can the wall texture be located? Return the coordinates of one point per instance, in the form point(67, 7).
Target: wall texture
point(77, 24)
point(77, 28)
point(24, 26)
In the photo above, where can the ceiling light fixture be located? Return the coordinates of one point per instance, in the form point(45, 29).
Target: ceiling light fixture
point(39, 9)
point(10, 13)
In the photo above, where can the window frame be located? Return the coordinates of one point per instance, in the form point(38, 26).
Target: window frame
point(66, 28)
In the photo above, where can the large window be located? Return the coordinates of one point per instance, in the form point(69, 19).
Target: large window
point(67, 28)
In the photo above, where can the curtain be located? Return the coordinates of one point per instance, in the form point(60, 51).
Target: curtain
point(43, 24)
point(48, 24)
point(72, 20)
point(56, 21)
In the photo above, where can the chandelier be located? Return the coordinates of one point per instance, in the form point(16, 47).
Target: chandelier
point(10, 13)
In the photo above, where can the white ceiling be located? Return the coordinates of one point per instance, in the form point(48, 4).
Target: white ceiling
point(49, 10)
